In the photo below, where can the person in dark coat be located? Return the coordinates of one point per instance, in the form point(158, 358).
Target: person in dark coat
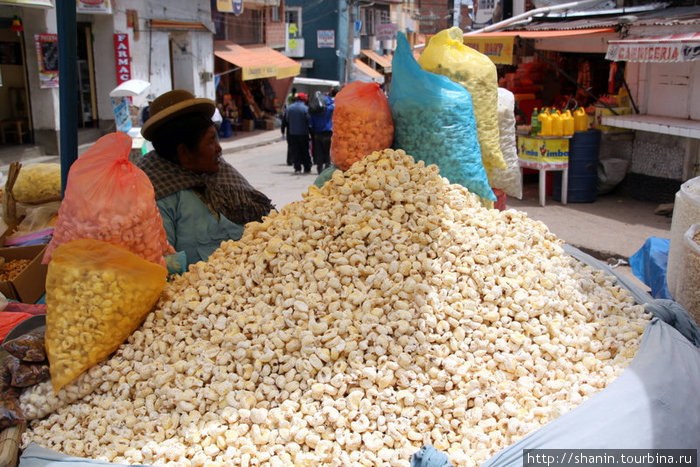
point(295, 122)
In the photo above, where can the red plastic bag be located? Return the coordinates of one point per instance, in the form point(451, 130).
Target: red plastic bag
point(362, 123)
point(110, 199)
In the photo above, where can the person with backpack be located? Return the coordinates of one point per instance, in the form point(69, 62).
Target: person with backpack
point(321, 122)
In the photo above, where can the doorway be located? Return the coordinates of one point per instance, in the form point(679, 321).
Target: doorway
point(87, 101)
point(15, 115)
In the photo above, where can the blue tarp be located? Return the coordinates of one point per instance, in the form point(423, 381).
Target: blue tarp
point(649, 265)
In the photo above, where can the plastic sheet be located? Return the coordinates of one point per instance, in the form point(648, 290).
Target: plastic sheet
point(649, 264)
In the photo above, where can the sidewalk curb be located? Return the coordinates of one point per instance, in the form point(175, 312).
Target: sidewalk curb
point(244, 147)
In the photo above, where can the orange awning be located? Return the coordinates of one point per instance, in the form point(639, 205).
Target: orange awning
point(383, 61)
point(498, 46)
point(368, 71)
point(257, 61)
point(170, 24)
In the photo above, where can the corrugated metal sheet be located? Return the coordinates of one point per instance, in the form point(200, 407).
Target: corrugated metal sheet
point(662, 17)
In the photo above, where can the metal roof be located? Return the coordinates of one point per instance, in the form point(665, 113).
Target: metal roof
point(660, 17)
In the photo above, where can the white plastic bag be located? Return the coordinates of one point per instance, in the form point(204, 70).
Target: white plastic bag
point(508, 179)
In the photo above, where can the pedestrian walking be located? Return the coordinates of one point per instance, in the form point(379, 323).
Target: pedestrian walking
point(295, 121)
point(322, 130)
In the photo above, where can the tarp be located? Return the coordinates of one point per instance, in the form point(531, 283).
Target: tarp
point(257, 61)
point(649, 264)
point(669, 48)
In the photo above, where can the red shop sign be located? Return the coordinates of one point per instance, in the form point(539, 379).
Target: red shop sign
point(122, 57)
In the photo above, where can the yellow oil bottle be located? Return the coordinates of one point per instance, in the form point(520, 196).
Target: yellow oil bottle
point(557, 123)
point(545, 124)
point(580, 120)
point(568, 123)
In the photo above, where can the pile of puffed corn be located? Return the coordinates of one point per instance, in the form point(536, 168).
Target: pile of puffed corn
point(384, 312)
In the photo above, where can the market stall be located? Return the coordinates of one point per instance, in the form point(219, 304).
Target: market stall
point(392, 309)
point(251, 83)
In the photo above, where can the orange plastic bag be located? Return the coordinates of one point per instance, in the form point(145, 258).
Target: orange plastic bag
point(362, 123)
point(97, 294)
point(110, 199)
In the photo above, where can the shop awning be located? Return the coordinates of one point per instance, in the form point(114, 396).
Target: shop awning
point(383, 61)
point(257, 61)
point(366, 72)
point(498, 46)
point(184, 25)
point(670, 48)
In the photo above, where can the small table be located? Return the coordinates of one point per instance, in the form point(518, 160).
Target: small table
point(545, 153)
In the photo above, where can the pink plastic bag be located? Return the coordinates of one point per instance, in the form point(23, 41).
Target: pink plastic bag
point(110, 199)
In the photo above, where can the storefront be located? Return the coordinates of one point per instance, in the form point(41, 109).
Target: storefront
point(114, 43)
point(637, 86)
point(663, 72)
point(251, 82)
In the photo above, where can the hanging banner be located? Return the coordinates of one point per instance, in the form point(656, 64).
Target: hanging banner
point(122, 118)
point(230, 6)
point(498, 49)
point(653, 52)
point(122, 57)
point(536, 153)
point(47, 58)
point(93, 6)
point(385, 32)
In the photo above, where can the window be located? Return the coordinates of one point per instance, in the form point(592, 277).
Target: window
point(367, 19)
point(383, 17)
point(292, 15)
point(275, 14)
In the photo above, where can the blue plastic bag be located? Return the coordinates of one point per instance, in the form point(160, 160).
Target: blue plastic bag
point(649, 265)
point(434, 122)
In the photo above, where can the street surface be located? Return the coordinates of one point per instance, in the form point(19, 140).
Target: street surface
point(265, 167)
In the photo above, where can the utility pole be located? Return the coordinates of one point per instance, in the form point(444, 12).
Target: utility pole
point(351, 38)
point(456, 16)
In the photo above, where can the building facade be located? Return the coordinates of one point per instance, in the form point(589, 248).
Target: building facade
point(168, 44)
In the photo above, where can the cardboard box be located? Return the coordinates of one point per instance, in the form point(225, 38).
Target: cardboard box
point(248, 125)
point(269, 124)
point(601, 112)
point(30, 284)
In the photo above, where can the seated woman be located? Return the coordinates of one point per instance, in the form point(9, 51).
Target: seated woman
point(202, 199)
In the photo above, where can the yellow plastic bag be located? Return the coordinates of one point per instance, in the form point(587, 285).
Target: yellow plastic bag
point(38, 183)
point(97, 294)
point(447, 55)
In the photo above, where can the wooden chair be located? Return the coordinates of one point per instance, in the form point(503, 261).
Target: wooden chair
point(18, 128)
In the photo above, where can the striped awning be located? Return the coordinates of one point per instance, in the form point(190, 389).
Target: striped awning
point(670, 48)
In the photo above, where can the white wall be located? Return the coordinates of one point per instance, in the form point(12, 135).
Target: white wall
point(44, 102)
point(150, 53)
point(666, 89)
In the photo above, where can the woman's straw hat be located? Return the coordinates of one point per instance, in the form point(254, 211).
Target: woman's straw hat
point(173, 104)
